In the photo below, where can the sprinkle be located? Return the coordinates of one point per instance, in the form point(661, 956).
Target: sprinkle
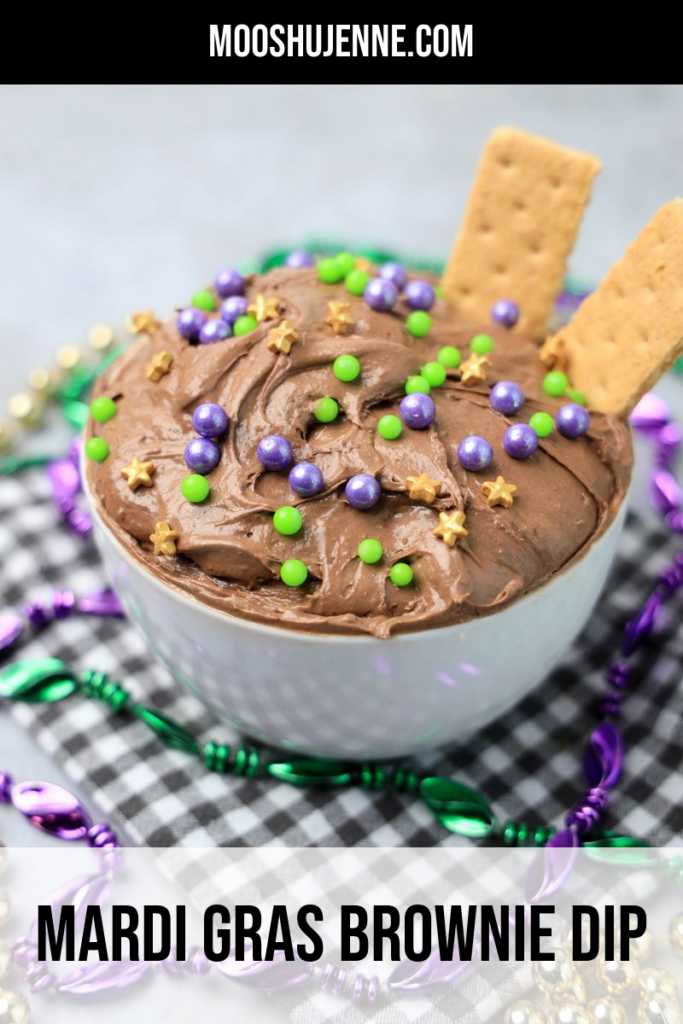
point(346, 367)
point(555, 383)
point(401, 574)
point(138, 473)
point(244, 325)
point(505, 312)
point(498, 492)
point(160, 365)
point(264, 309)
point(143, 322)
point(326, 410)
point(449, 356)
point(195, 488)
point(554, 354)
point(287, 520)
point(68, 357)
point(100, 337)
point(423, 488)
point(390, 427)
point(542, 423)
point(481, 344)
point(451, 527)
point(356, 282)
point(418, 323)
point(103, 409)
point(434, 374)
point(346, 262)
point(473, 370)
point(370, 551)
point(163, 539)
point(339, 317)
point(293, 572)
point(96, 449)
point(204, 299)
point(329, 271)
point(417, 385)
point(282, 337)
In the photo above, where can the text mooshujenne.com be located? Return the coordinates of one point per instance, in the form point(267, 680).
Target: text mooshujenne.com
point(340, 41)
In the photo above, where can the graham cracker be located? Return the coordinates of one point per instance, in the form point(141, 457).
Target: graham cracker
point(521, 220)
point(629, 331)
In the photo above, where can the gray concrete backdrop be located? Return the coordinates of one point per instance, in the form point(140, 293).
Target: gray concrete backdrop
point(117, 197)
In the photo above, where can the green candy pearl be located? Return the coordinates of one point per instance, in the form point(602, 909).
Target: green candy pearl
point(326, 410)
point(195, 488)
point(329, 271)
point(346, 368)
point(577, 396)
point(434, 374)
point(96, 449)
point(293, 572)
point(356, 282)
point(401, 574)
point(414, 384)
point(555, 383)
point(449, 356)
point(418, 323)
point(204, 299)
point(370, 551)
point(346, 262)
point(288, 520)
point(481, 344)
point(542, 423)
point(244, 325)
point(390, 427)
point(438, 291)
point(103, 409)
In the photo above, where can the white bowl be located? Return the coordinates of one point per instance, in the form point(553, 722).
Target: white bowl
point(360, 697)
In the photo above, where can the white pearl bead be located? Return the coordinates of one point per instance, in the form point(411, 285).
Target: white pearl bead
point(655, 982)
point(658, 1010)
point(13, 1008)
point(554, 977)
point(524, 1012)
point(570, 1013)
point(616, 976)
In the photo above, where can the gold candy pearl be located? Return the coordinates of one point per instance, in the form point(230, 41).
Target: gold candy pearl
point(570, 1013)
point(639, 948)
point(14, 1008)
point(576, 993)
point(5, 907)
point(606, 1010)
point(658, 1010)
point(524, 1012)
point(676, 933)
point(5, 957)
point(554, 977)
point(616, 976)
point(68, 357)
point(582, 965)
point(656, 982)
point(101, 337)
point(27, 408)
point(8, 433)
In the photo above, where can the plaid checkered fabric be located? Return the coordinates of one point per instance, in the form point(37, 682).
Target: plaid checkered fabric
point(527, 764)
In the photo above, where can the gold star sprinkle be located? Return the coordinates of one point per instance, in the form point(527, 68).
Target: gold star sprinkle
point(451, 527)
point(553, 354)
point(138, 473)
point(264, 309)
point(160, 366)
point(473, 370)
point(498, 492)
point(422, 488)
point(282, 337)
point(142, 322)
point(339, 317)
point(163, 539)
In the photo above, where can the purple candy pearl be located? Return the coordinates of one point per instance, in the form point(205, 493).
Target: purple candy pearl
point(420, 295)
point(572, 420)
point(520, 441)
point(214, 330)
point(395, 273)
point(202, 455)
point(275, 452)
point(362, 491)
point(417, 411)
point(229, 282)
point(210, 420)
point(306, 480)
point(506, 397)
point(191, 321)
point(381, 295)
point(234, 307)
point(475, 453)
point(505, 312)
point(299, 259)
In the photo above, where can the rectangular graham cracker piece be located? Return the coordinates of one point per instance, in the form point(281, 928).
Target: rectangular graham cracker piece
point(519, 227)
point(629, 331)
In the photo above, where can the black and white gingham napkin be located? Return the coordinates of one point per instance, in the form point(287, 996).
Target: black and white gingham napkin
point(528, 764)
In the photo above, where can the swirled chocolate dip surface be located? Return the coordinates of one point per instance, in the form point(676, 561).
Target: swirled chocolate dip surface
point(228, 552)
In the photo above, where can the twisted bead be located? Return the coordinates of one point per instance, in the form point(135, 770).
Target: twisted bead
point(5, 787)
point(334, 978)
point(37, 614)
point(102, 836)
point(216, 757)
point(25, 951)
point(674, 520)
point(403, 780)
point(63, 603)
point(195, 964)
point(39, 978)
point(99, 686)
point(247, 762)
point(518, 834)
point(617, 674)
point(588, 814)
point(372, 776)
point(365, 988)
